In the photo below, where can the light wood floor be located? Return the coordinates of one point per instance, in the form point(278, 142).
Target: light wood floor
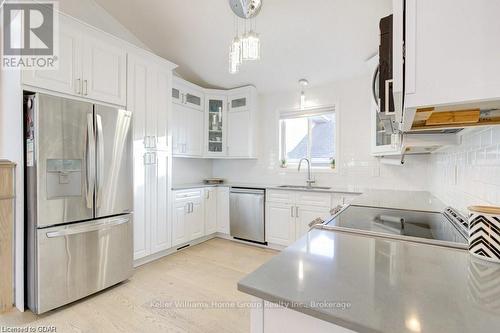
point(204, 273)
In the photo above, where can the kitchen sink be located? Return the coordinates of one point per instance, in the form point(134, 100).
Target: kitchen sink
point(299, 187)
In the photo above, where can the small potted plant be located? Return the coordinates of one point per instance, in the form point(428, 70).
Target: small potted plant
point(283, 163)
point(332, 163)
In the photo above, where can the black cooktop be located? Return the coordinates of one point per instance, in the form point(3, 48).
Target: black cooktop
point(404, 223)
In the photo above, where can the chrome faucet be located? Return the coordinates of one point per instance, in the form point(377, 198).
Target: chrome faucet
point(309, 180)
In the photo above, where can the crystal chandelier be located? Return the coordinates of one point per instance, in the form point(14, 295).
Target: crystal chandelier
point(247, 46)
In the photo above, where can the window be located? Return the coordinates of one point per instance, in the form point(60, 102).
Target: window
point(308, 134)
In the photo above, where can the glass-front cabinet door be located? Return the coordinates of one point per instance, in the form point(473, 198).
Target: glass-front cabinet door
point(216, 125)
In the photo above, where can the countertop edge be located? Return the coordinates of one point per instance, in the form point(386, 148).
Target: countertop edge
point(267, 187)
point(306, 310)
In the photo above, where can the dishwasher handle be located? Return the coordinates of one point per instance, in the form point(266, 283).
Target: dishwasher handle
point(247, 190)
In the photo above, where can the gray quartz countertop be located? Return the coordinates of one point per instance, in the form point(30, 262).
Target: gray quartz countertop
point(395, 199)
point(346, 189)
point(390, 285)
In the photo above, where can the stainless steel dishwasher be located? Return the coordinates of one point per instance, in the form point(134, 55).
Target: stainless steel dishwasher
point(247, 214)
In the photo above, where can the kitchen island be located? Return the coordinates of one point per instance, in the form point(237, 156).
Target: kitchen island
point(339, 282)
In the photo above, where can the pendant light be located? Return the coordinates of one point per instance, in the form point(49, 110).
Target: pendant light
point(303, 84)
point(247, 47)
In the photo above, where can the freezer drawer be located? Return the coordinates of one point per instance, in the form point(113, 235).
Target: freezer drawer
point(78, 260)
point(247, 214)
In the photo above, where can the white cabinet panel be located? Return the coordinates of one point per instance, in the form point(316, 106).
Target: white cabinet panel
point(223, 210)
point(313, 199)
point(306, 214)
point(138, 100)
point(142, 245)
point(160, 229)
point(194, 132)
point(67, 77)
point(179, 223)
point(188, 216)
point(447, 61)
point(280, 223)
point(187, 131)
point(197, 220)
point(280, 196)
point(239, 136)
point(104, 70)
point(161, 105)
point(151, 210)
point(210, 210)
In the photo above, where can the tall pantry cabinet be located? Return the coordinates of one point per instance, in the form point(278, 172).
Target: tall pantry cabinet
point(149, 80)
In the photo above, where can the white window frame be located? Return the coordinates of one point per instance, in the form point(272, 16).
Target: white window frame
point(308, 112)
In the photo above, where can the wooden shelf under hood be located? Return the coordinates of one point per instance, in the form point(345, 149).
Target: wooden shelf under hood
point(433, 119)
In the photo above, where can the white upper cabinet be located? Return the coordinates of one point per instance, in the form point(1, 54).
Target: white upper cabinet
point(67, 77)
point(188, 119)
point(241, 122)
point(215, 125)
point(229, 121)
point(90, 64)
point(104, 69)
point(187, 94)
point(451, 52)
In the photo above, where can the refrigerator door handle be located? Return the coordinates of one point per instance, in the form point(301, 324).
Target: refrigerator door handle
point(94, 227)
point(100, 160)
point(90, 158)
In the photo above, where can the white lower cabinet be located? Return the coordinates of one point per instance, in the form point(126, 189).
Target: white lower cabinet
point(280, 223)
point(188, 216)
point(223, 210)
point(289, 213)
point(210, 210)
point(151, 189)
point(306, 214)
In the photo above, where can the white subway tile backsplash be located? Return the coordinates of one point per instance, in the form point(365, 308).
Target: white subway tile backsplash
point(469, 174)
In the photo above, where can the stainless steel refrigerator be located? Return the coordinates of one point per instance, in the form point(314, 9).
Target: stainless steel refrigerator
point(79, 199)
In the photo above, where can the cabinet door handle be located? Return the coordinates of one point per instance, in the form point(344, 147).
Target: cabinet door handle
point(296, 211)
point(79, 86)
point(192, 207)
point(85, 87)
point(387, 83)
point(291, 211)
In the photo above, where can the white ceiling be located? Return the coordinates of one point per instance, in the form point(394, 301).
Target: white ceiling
point(321, 40)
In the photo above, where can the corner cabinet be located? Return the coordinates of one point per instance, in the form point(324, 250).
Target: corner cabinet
point(90, 64)
point(227, 119)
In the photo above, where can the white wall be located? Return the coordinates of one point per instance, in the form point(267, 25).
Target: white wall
point(190, 171)
point(357, 168)
point(90, 12)
point(469, 174)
